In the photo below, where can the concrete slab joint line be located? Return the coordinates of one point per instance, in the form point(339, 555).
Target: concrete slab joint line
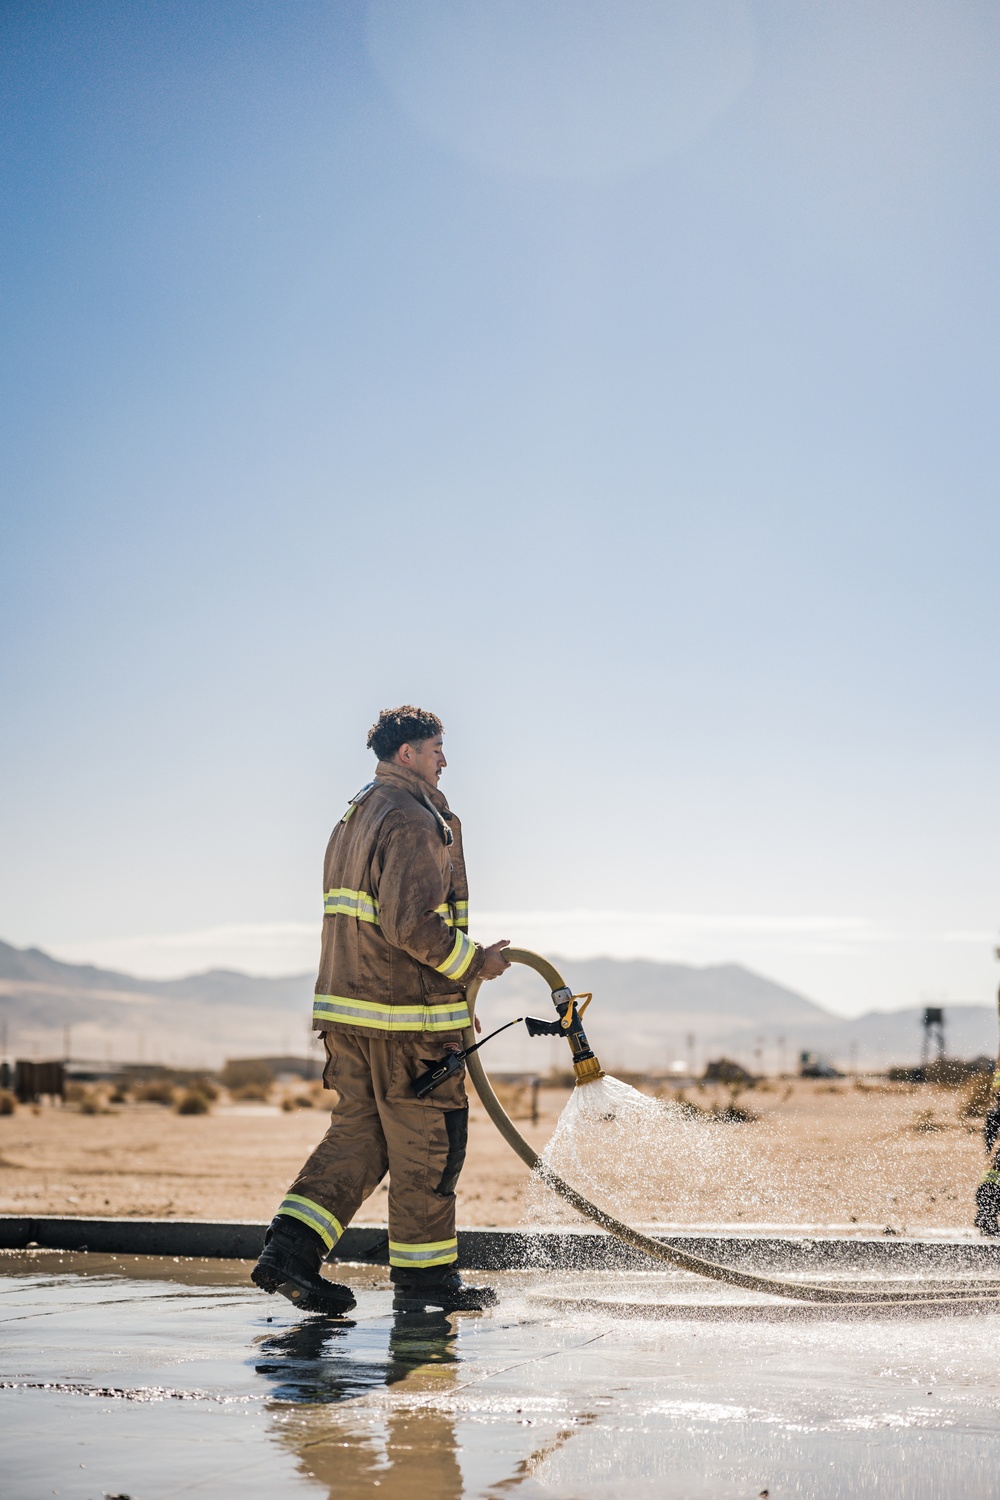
point(500, 1249)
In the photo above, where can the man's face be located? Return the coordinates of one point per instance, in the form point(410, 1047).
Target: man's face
point(425, 757)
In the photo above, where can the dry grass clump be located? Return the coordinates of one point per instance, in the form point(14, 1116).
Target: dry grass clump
point(730, 1113)
point(927, 1122)
point(155, 1091)
point(193, 1102)
point(252, 1093)
point(8, 1102)
point(976, 1096)
point(86, 1099)
point(310, 1094)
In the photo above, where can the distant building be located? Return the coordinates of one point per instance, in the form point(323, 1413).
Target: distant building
point(282, 1067)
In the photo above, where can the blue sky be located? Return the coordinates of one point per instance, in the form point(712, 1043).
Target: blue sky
point(620, 381)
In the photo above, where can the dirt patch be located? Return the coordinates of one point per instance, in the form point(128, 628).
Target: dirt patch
point(860, 1156)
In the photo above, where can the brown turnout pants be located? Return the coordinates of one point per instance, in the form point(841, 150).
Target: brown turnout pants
point(378, 1124)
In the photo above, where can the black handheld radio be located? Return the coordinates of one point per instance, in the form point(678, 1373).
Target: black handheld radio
point(452, 1062)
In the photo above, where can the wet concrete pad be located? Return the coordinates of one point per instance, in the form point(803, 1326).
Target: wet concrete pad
point(157, 1378)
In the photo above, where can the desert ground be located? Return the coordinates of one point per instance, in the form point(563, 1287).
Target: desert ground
point(852, 1155)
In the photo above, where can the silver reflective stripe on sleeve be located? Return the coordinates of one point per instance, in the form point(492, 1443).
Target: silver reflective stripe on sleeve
point(341, 902)
point(460, 957)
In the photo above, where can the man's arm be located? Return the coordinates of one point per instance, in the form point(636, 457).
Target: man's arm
point(410, 887)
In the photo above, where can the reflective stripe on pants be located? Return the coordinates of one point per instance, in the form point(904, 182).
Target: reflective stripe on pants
point(439, 1253)
point(329, 1229)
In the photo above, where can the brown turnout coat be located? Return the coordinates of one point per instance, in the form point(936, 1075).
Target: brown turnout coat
point(396, 956)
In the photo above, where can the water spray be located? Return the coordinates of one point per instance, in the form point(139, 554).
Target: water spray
point(587, 1070)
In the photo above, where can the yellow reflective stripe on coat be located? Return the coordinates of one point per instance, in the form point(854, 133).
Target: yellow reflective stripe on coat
point(455, 913)
point(340, 1010)
point(341, 902)
point(459, 959)
point(436, 1253)
point(315, 1215)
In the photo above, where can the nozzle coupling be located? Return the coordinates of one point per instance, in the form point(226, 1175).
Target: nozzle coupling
point(585, 1065)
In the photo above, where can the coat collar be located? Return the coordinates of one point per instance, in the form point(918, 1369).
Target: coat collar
point(397, 775)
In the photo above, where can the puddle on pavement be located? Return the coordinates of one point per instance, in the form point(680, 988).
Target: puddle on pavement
point(158, 1378)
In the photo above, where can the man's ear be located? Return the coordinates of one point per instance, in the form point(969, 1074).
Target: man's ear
point(404, 754)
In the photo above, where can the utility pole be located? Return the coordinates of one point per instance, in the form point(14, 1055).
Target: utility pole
point(67, 1031)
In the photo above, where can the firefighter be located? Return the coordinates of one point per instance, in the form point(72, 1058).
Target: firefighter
point(395, 963)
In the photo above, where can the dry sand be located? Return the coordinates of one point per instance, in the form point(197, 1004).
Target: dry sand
point(897, 1157)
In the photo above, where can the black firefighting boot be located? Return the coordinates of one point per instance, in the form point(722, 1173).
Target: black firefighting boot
point(437, 1286)
point(289, 1263)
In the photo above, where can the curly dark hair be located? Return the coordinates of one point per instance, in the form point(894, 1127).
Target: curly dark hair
point(405, 725)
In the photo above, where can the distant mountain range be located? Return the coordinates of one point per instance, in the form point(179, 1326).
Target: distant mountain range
point(199, 1020)
point(645, 1016)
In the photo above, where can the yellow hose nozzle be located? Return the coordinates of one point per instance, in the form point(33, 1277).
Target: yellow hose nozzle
point(588, 1071)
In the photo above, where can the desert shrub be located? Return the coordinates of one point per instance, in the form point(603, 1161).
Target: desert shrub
point(976, 1095)
point(304, 1101)
point(687, 1107)
point(88, 1100)
point(155, 1091)
point(8, 1102)
point(206, 1087)
point(733, 1114)
point(725, 1070)
point(193, 1102)
point(247, 1072)
point(719, 1114)
point(119, 1094)
point(926, 1122)
point(258, 1093)
point(951, 1073)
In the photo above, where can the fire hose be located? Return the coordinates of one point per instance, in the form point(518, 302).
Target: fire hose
point(587, 1070)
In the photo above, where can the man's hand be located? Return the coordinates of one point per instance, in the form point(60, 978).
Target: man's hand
point(494, 962)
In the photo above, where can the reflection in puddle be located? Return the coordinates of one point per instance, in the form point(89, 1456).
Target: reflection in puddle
point(408, 1451)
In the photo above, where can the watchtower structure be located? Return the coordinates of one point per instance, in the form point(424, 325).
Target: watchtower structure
point(933, 1048)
